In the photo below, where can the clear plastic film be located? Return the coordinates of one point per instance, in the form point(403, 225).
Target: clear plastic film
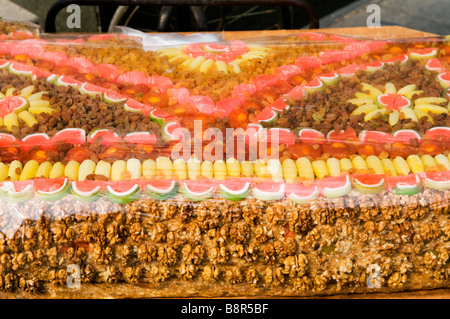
point(306, 165)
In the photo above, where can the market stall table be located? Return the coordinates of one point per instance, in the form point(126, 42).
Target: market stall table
point(199, 195)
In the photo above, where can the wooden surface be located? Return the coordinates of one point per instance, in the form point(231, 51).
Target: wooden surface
point(391, 32)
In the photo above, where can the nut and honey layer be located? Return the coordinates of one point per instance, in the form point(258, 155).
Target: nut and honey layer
point(216, 248)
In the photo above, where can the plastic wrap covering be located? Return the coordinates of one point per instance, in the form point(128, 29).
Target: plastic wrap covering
point(306, 165)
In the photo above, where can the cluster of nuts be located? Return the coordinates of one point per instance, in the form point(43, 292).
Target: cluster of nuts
point(326, 247)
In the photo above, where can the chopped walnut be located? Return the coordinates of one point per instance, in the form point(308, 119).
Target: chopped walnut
point(251, 276)
point(240, 233)
point(88, 274)
point(295, 266)
point(218, 254)
point(159, 273)
point(103, 255)
point(132, 274)
point(275, 214)
point(251, 217)
point(211, 273)
point(136, 232)
point(167, 256)
point(29, 285)
point(397, 280)
point(147, 253)
point(233, 275)
point(274, 276)
point(429, 231)
point(187, 271)
point(191, 255)
point(321, 281)
point(303, 283)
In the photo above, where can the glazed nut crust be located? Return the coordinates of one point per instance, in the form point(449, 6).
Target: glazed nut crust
point(221, 248)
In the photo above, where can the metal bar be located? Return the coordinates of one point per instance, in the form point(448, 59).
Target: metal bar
point(59, 5)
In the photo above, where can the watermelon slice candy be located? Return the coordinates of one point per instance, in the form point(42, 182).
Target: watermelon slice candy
point(263, 81)
point(444, 80)
point(267, 115)
point(163, 83)
point(348, 134)
point(227, 105)
point(285, 72)
point(243, 91)
point(132, 105)
point(113, 97)
point(374, 137)
point(106, 71)
point(140, 138)
point(183, 95)
point(349, 70)
point(198, 190)
point(404, 185)
point(4, 64)
point(73, 136)
point(401, 59)
point(373, 66)
point(369, 183)
point(16, 191)
point(21, 69)
point(123, 192)
point(13, 103)
point(437, 180)
point(7, 140)
point(331, 56)
point(87, 190)
point(31, 47)
point(308, 62)
point(309, 135)
point(335, 186)
point(301, 194)
point(30, 141)
point(203, 103)
point(161, 189)
point(314, 85)
point(57, 57)
point(132, 77)
point(279, 105)
point(331, 78)
point(280, 135)
point(160, 117)
point(269, 190)
point(391, 101)
point(405, 136)
point(51, 189)
point(435, 65)
point(296, 93)
point(81, 64)
point(360, 47)
point(172, 131)
point(68, 81)
point(107, 137)
point(91, 89)
point(426, 53)
point(235, 189)
point(441, 133)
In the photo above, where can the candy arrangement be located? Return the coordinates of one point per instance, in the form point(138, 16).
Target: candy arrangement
point(319, 164)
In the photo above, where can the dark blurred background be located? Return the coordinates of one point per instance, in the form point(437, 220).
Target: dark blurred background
point(429, 16)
